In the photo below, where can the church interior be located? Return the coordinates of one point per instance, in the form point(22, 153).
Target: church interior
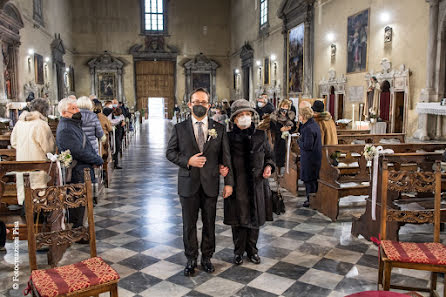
point(358, 210)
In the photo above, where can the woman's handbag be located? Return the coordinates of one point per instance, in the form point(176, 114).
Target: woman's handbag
point(278, 204)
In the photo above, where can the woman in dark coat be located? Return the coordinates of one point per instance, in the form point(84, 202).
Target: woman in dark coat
point(310, 152)
point(282, 120)
point(249, 206)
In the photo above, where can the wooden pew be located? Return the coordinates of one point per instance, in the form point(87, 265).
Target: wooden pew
point(371, 138)
point(333, 178)
point(5, 140)
point(7, 154)
point(364, 225)
point(8, 193)
point(349, 131)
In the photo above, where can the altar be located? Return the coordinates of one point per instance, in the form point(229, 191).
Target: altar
point(433, 108)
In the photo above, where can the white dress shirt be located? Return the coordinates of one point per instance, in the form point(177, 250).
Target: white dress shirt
point(205, 122)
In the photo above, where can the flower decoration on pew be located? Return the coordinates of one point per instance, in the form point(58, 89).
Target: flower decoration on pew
point(370, 151)
point(285, 134)
point(65, 158)
point(213, 133)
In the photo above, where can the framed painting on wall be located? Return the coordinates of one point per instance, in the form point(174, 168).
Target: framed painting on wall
point(201, 80)
point(38, 69)
point(266, 71)
point(296, 59)
point(107, 86)
point(357, 41)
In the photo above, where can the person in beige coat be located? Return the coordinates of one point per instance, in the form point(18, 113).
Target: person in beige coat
point(32, 139)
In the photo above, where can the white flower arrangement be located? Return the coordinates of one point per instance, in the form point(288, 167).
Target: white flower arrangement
point(65, 158)
point(285, 134)
point(370, 152)
point(213, 133)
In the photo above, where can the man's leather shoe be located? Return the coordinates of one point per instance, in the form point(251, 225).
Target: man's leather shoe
point(238, 259)
point(254, 259)
point(207, 265)
point(190, 267)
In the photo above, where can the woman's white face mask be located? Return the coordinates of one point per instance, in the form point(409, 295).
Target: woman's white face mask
point(244, 122)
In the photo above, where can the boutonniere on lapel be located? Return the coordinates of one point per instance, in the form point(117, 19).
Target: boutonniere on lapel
point(212, 134)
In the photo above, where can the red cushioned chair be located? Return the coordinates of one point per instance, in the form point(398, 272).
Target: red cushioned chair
point(430, 256)
point(86, 278)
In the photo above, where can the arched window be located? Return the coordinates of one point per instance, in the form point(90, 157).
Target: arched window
point(154, 17)
point(263, 12)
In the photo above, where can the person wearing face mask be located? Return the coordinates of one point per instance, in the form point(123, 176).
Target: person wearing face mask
point(108, 108)
point(263, 106)
point(70, 136)
point(282, 122)
point(198, 146)
point(249, 206)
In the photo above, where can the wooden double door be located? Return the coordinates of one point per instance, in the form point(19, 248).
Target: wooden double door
point(155, 79)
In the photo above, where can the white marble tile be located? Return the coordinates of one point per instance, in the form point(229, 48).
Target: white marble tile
point(301, 259)
point(163, 269)
point(117, 254)
point(166, 289)
point(271, 283)
point(162, 251)
point(219, 287)
point(265, 264)
point(343, 255)
point(321, 278)
point(274, 231)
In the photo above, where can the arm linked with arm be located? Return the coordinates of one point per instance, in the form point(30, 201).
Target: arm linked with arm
point(226, 158)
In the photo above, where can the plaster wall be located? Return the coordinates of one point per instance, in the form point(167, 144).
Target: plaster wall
point(39, 38)
point(410, 22)
point(193, 26)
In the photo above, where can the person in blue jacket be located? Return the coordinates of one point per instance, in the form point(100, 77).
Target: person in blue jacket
point(310, 151)
point(70, 136)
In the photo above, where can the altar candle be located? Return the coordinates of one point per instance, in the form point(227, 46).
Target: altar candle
point(353, 111)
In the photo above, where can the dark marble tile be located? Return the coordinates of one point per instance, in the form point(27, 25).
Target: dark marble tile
point(225, 255)
point(105, 233)
point(288, 270)
point(240, 274)
point(355, 247)
point(112, 205)
point(138, 261)
point(329, 265)
point(191, 282)
point(351, 285)
point(314, 249)
point(307, 290)
point(139, 245)
point(253, 292)
point(298, 235)
point(138, 282)
point(196, 294)
point(139, 232)
point(176, 243)
point(369, 261)
point(305, 212)
point(109, 213)
point(273, 252)
point(285, 224)
point(404, 280)
point(179, 259)
point(107, 223)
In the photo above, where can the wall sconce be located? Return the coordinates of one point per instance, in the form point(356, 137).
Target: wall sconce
point(258, 63)
point(273, 57)
point(388, 32)
point(237, 71)
point(333, 50)
point(47, 59)
point(67, 69)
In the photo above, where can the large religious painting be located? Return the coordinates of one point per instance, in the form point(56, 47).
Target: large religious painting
point(38, 69)
point(107, 86)
point(38, 11)
point(296, 59)
point(357, 39)
point(201, 80)
point(266, 71)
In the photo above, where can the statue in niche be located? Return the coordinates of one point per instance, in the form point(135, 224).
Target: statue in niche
point(373, 95)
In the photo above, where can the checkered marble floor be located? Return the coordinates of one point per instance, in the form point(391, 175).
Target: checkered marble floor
point(139, 232)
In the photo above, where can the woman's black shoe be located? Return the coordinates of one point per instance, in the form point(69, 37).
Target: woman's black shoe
point(254, 259)
point(207, 265)
point(306, 204)
point(238, 259)
point(118, 167)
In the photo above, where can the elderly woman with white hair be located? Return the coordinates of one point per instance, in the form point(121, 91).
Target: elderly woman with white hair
point(90, 122)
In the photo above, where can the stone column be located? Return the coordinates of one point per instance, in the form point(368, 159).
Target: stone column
point(429, 93)
point(308, 71)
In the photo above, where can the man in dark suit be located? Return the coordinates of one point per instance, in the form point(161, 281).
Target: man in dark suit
point(198, 146)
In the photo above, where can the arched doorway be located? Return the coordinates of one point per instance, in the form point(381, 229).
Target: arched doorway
point(384, 103)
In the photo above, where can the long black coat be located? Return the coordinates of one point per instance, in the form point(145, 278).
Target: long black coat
point(250, 203)
point(280, 143)
point(182, 145)
point(310, 151)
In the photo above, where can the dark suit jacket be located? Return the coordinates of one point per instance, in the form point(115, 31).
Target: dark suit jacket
point(182, 145)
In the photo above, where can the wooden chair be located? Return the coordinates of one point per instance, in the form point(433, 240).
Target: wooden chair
point(87, 278)
point(429, 256)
